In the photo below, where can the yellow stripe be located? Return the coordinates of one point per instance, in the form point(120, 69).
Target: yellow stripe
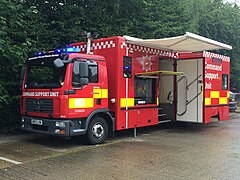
point(123, 102)
point(214, 94)
point(104, 93)
point(80, 103)
point(207, 101)
point(100, 93)
point(97, 93)
point(228, 94)
point(223, 100)
point(130, 102)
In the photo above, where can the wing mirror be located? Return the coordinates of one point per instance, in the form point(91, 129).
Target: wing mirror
point(58, 63)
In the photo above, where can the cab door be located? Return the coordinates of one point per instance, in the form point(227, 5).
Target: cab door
point(88, 96)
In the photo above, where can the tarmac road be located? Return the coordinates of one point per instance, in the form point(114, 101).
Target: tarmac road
point(180, 151)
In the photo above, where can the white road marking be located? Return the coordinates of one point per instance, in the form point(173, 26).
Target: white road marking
point(9, 160)
point(145, 134)
point(56, 150)
point(134, 140)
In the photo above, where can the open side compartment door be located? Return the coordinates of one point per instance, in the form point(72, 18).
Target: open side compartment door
point(190, 91)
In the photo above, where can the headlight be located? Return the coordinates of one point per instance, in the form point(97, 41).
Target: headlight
point(57, 131)
point(60, 124)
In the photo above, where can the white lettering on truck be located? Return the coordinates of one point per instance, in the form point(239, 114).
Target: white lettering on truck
point(41, 94)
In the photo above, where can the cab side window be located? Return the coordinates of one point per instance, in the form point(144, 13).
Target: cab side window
point(92, 76)
point(75, 75)
point(93, 72)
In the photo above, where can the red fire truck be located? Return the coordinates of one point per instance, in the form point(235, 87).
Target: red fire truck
point(96, 87)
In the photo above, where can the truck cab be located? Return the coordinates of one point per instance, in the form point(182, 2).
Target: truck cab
point(65, 93)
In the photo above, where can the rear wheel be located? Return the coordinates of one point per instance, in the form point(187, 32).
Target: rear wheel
point(97, 130)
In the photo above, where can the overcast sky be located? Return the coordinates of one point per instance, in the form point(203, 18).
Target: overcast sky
point(232, 1)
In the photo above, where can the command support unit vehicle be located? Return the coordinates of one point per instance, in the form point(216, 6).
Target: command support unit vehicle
point(96, 87)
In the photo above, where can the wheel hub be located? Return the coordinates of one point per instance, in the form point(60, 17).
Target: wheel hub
point(97, 130)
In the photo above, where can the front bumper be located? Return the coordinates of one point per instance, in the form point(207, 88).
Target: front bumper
point(232, 106)
point(72, 127)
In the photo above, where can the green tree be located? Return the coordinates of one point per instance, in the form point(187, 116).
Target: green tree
point(14, 46)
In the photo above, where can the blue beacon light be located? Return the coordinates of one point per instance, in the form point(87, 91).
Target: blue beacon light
point(72, 50)
point(39, 53)
point(58, 51)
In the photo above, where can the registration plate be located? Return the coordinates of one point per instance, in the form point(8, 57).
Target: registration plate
point(36, 121)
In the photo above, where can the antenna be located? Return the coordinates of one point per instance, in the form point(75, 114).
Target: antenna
point(89, 38)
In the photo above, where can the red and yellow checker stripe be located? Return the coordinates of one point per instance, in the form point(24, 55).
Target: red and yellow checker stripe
point(216, 97)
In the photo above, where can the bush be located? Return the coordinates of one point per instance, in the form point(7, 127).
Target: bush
point(9, 109)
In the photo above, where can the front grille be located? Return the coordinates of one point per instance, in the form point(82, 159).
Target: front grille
point(39, 105)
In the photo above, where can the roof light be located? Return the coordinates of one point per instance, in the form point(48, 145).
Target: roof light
point(58, 51)
point(39, 53)
point(72, 50)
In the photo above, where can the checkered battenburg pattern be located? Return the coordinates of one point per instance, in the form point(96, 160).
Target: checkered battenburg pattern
point(133, 47)
point(213, 55)
point(137, 48)
point(216, 97)
point(97, 45)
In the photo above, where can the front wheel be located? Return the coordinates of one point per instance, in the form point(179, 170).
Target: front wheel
point(97, 130)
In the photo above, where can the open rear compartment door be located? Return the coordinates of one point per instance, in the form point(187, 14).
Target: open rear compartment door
point(190, 90)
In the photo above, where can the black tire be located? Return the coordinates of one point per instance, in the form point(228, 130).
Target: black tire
point(97, 130)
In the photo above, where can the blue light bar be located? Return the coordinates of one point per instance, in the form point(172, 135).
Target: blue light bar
point(58, 51)
point(39, 53)
point(72, 50)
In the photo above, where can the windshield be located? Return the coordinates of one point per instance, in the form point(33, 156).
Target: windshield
point(43, 74)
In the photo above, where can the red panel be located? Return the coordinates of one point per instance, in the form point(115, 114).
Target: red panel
point(207, 94)
point(213, 82)
point(223, 93)
point(214, 101)
point(190, 55)
point(222, 111)
point(146, 117)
